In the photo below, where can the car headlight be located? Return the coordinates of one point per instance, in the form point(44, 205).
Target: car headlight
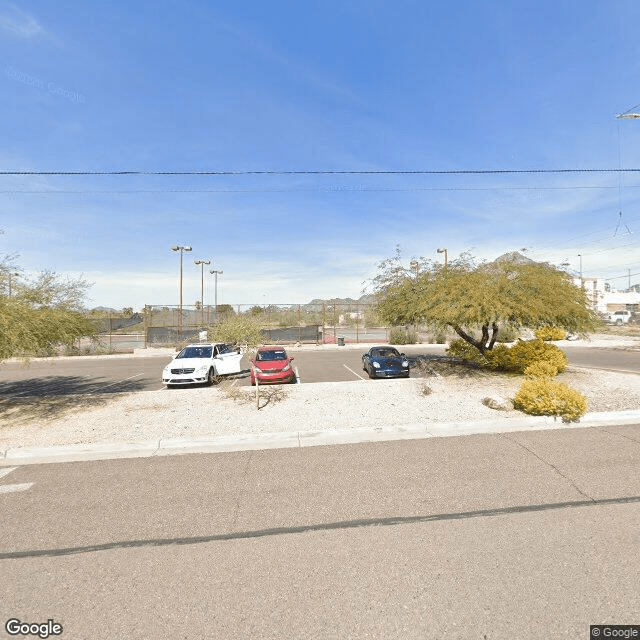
point(376, 365)
point(405, 363)
point(202, 369)
point(287, 367)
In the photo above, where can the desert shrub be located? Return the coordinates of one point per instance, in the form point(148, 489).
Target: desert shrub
point(507, 334)
point(525, 353)
point(516, 358)
point(440, 338)
point(550, 333)
point(541, 369)
point(399, 335)
point(544, 397)
point(461, 349)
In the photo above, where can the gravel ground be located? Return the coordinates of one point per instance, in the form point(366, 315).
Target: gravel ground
point(305, 407)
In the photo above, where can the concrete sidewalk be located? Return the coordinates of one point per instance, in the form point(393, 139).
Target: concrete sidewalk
point(298, 439)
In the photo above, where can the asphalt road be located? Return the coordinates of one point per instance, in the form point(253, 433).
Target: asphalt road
point(522, 535)
point(112, 375)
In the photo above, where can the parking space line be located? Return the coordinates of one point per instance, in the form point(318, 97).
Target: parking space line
point(7, 471)
point(352, 371)
point(118, 382)
point(298, 381)
point(14, 488)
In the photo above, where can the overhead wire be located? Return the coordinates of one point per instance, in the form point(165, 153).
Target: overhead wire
point(321, 172)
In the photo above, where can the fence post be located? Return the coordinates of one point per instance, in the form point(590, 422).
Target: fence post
point(145, 315)
point(324, 320)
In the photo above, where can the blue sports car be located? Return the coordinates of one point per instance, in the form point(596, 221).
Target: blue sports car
point(385, 362)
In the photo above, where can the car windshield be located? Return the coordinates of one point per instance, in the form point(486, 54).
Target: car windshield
point(385, 353)
point(195, 352)
point(281, 354)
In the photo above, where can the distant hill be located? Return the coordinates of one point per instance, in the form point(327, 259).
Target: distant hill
point(105, 310)
point(368, 298)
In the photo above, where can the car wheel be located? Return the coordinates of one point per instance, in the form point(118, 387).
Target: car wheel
point(211, 377)
point(371, 376)
point(619, 322)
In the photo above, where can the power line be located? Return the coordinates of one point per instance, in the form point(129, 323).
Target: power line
point(318, 172)
point(329, 189)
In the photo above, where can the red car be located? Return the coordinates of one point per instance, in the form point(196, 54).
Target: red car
point(272, 365)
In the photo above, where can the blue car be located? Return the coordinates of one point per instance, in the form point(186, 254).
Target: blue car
point(385, 362)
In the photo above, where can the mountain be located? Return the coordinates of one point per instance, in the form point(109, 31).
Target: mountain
point(368, 298)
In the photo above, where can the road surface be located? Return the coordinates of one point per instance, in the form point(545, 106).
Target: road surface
point(522, 535)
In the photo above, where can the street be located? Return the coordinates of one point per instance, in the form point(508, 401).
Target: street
point(520, 535)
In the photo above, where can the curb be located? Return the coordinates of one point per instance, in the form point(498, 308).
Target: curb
point(299, 439)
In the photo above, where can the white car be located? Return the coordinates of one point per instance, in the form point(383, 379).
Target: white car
point(202, 363)
point(619, 317)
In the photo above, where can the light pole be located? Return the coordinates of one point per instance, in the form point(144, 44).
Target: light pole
point(181, 249)
point(215, 273)
point(443, 250)
point(12, 273)
point(581, 282)
point(202, 263)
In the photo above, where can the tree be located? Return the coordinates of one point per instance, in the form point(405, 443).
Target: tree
point(41, 312)
point(243, 330)
point(224, 308)
point(470, 298)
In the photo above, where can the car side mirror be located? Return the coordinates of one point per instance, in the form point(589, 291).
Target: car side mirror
point(290, 359)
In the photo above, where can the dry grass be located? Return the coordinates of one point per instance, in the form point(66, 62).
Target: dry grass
point(267, 394)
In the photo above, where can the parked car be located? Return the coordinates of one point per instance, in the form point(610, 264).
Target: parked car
point(272, 365)
point(385, 362)
point(619, 317)
point(202, 364)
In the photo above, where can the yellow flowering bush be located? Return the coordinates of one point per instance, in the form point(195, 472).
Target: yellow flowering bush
point(544, 397)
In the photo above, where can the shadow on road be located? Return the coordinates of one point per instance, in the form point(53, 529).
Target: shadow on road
point(50, 397)
point(430, 364)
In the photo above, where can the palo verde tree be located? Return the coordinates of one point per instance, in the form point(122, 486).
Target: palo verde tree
point(475, 300)
point(39, 313)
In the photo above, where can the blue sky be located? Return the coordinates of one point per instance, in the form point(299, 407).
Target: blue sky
point(314, 86)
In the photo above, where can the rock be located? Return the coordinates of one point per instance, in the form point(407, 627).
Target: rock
point(497, 402)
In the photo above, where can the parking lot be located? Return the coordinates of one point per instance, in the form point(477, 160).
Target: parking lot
point(126, 374)
point(116, 374)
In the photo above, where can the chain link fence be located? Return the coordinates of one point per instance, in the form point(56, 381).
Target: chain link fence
point(314, 323)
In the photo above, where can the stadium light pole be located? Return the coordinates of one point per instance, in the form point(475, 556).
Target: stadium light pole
point(12, 273)
point(181, 249)
point(581, 282)
point(202, 263)
point(215, 273)
point(443, 250)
